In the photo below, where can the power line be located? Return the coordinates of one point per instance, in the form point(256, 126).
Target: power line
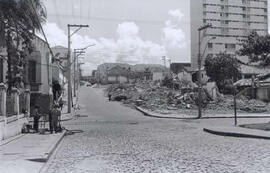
point(153, 22)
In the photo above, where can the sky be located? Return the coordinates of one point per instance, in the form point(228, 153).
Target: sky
point(131, 31)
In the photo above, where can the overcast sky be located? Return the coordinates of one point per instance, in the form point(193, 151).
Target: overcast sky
point(134, 31)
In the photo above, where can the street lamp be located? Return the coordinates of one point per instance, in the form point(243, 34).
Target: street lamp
point(199, 71)
point(69, 61)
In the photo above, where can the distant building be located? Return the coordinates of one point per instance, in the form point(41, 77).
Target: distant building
point(231, 20)
point(179, 67)
point(248, 71)
point(117, 74)
point(108, 72)
point(103, 69)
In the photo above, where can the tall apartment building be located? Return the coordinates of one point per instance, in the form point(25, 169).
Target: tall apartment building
point(231, 20)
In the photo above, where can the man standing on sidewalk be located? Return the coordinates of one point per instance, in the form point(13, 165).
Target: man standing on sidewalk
point(55, 115)
point(36, 116)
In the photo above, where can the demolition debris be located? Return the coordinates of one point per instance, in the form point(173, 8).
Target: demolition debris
point(155, 97)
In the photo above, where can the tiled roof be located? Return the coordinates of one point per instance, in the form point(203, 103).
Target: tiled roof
point(243, 82)
point(254, 70)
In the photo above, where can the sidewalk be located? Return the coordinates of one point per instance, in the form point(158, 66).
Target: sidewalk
point(67, 116)
point(184, 116)
point(232, 131)
point(27, 152)
point(240, 132)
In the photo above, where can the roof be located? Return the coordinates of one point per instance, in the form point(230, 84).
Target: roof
point(59, 47)
point(254, 70)
point(179, 67)
point(117, 70)
point(243, 82)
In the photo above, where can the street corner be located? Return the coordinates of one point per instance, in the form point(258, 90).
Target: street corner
point(237, 132)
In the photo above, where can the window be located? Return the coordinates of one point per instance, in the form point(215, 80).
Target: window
point(210, 45)
point(224, 31)
point(230, 46)
point(32, 71)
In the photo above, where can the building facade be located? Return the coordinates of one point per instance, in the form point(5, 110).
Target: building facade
point(39, 75)
point(231, 21)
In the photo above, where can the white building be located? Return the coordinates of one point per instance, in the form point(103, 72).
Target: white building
point(231, 20)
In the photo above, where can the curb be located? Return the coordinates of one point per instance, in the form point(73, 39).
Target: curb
point(68, 119)
point(156, 116)
point(51, 149)
point(237, 135)
point(54, 146)
point(171, 117)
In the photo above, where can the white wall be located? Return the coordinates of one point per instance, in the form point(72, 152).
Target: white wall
point(158, 76)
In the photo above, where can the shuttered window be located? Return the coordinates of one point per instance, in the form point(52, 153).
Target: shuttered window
point(32, 71)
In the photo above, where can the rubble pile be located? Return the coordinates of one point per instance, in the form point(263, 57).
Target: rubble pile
point(226, 103)
point(154, 97)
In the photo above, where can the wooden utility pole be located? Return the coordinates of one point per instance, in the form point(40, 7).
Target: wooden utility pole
point(69, 63)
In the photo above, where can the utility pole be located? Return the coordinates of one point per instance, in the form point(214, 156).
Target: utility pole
point(74, 73)
point(199, 72)
point(69, 62)
point(164, 60)
point(75, 62)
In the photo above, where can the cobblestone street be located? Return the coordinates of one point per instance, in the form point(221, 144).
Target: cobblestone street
point(116, 138)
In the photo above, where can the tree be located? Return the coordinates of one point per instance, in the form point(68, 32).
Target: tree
point(257, 48)
point(221, 68)
point(18, 20)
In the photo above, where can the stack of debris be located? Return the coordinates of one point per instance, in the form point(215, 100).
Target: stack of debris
point(154, 97)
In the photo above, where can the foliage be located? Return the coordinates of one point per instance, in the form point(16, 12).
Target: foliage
point(221, 68)
point(18, 21)
point(256, 47)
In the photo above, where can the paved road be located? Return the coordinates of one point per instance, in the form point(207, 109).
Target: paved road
point(116, 138)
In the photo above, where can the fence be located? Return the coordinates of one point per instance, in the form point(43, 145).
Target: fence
point(13, 102)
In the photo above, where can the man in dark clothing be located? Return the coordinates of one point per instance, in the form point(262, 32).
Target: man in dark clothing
point(55, 115)
point(36, 116)
point(50, 120)
point(110, 97)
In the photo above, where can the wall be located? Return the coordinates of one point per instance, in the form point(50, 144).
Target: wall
point(12, 126)
point(184, 76)
point(263, 94)
point(43, 96)
point(158, 76)
point(117, 79)
point(122, 79)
